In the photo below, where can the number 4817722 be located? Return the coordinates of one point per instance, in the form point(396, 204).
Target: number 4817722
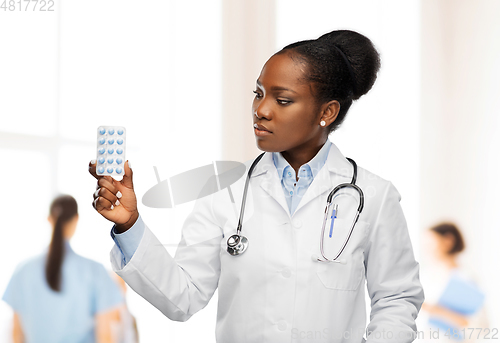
point(27, 5)
point(486, 332)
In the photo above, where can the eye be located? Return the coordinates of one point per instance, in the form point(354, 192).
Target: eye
point(257, 95)
point(283, 102)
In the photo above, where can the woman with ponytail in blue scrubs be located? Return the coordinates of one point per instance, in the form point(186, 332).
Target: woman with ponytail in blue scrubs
point(60, 296)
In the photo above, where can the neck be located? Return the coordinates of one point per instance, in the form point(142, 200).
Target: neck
point(450, 261)
point(301, 155)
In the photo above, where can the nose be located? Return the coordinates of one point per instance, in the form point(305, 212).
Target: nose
point(262, 109)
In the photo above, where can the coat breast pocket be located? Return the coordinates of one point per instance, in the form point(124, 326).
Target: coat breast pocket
point(345, 276)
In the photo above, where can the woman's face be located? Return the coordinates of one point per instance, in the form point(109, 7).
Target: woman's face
point(438, 245)
point(285, 105)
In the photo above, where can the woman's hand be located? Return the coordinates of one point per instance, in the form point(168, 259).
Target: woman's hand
point(115, 200)
point(456, 318)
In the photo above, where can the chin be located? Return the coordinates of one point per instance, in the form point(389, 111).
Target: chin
point(264, 147)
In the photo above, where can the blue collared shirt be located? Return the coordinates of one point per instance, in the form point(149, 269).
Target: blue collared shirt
point(294, 190)
point(128, 241)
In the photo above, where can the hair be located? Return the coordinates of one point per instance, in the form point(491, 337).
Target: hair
point(342, 65)
point(447, 230)
point(63, 209)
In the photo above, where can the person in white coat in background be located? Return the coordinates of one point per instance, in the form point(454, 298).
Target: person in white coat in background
point(281, 289)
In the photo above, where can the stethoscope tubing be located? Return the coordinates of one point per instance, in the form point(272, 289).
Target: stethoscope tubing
point(240, 221)
point(237, 244)
point(233, 242)
point(321, 241)
point(352, 184)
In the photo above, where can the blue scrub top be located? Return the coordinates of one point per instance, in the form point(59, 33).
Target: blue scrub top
point(66, 316)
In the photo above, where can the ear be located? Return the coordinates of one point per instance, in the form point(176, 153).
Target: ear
point(330, 111)
point(449, 241)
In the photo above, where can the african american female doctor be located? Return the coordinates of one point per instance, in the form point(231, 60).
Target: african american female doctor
point(283, 288)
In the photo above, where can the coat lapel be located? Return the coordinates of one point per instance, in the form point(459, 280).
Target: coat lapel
point(266, 173)
point(337, 170)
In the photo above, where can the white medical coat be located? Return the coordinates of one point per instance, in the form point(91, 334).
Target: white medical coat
point(275, 292)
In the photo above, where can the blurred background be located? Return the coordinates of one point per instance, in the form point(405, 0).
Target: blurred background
point(179, 75)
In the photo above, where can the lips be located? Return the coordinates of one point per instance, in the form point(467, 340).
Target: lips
point(260, 127)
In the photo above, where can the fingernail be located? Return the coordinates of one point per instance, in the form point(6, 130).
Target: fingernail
point(112, 207)
point(117, 202)
point(92, 161)
point(118, 194)
point(96, 193)
point(129, 165)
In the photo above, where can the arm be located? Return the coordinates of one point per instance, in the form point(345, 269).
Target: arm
point(392, 274)
point(177, 287)
point(17, 330)
point(13, 296)
point(180, 286)
point(104, 320)
point(450, 316)
point(128, 241)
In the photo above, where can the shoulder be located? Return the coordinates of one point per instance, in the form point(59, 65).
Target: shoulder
point(466, 274)
point(373, 185)
point(376, 186)
point(88, 265)
point(382, 201)
point(26, 273)
point(28, 265)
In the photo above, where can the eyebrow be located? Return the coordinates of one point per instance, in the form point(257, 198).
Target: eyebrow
point(277, 88)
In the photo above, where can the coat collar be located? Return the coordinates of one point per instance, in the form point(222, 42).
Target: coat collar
point(337, 169)
point(314, 165)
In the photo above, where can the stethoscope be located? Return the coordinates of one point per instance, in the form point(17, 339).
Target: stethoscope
point(238, 244)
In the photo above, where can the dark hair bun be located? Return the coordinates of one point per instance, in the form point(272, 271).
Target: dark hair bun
point(342, 64)
point(361, 54)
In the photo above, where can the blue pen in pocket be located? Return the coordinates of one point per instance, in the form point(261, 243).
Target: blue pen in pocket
point(334, 215)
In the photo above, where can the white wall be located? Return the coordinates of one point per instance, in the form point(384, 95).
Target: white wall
point(249, 38)
point(460, 130)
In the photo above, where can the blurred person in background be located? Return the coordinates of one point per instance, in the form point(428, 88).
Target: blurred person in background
point(454, 306)
point(60, 296)
point(125, 326)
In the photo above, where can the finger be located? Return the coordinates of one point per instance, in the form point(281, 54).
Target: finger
point(106, 194)
point(106, 182)
point(101, 203)
point(127, 178)
point(92, 169)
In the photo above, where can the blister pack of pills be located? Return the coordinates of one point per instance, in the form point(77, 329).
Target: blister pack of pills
point(111, 151)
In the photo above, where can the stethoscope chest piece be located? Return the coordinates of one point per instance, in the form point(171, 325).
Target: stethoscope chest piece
point(237, 244)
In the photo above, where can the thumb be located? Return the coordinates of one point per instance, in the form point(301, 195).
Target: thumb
point(127, 177)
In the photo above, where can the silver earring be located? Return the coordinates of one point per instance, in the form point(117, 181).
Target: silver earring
point(322, 123)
